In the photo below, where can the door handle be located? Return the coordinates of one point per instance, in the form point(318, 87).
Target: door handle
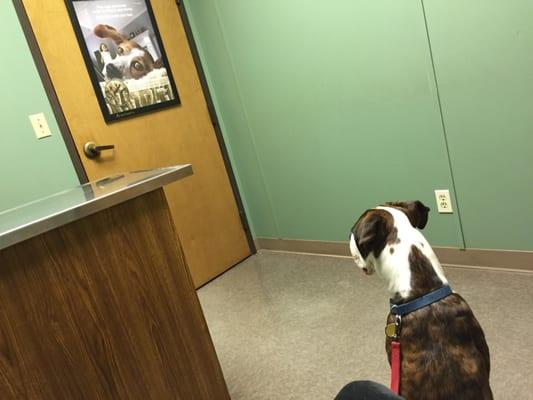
point(91, 150)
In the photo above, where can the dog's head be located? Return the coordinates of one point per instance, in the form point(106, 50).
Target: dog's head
point(132, 62)
point(385, 240)
point(377, 228)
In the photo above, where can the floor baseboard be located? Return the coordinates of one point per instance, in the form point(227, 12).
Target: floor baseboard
point(509, 260)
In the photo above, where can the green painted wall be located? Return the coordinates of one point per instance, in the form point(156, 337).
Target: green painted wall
point(484, 62)
point(339, 104)
point(30, 168)
point(332, 108)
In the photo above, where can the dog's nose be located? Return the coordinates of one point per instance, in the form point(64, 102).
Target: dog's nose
point(112, 71)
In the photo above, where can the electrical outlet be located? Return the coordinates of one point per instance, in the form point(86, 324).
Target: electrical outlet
point(40, 126)
point(444, 202)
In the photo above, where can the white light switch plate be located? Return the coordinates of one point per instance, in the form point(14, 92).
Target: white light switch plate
point(444, 202)
point(40, 126)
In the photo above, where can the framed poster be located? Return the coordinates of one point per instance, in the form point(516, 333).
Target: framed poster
point(124, 55)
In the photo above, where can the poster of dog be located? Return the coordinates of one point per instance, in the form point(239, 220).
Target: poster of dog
point(124, 54)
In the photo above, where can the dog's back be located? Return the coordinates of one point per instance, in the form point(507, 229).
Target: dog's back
point(444, 353)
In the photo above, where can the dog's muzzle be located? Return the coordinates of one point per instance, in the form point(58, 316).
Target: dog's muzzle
point(367, 268)
point(112, 72)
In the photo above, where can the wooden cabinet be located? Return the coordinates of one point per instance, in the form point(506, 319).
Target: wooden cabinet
point(104, 307)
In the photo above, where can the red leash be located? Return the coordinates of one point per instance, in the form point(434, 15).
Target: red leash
point(395, 367)
point(392, 331)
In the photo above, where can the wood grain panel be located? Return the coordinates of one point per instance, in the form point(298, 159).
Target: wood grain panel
point(104, 308)
point(210, 229)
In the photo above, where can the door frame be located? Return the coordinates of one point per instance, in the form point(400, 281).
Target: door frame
point(65, 130)
point(214, 120)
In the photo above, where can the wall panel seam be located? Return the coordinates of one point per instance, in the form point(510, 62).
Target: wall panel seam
point(443, 124)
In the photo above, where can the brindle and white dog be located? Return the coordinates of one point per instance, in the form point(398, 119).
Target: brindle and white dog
point(444, 354)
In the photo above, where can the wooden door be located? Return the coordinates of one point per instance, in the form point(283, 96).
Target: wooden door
point(203, 206)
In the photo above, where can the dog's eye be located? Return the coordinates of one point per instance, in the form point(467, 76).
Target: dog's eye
point(138, 66)
point(120, 50)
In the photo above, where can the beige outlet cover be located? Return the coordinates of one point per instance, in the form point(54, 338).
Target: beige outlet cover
point(40, 126)
point(444, 202)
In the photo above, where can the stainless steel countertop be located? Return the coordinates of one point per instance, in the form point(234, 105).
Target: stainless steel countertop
point(32, 219)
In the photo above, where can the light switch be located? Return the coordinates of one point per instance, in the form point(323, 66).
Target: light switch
point(40, 126)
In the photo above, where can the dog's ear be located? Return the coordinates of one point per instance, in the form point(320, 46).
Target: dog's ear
point(416, 211)
point(107, 31)
point(371, 231)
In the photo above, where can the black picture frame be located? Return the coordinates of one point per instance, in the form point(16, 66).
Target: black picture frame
point(128, 68)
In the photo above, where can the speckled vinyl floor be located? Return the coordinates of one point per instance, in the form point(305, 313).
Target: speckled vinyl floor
point(289, 326)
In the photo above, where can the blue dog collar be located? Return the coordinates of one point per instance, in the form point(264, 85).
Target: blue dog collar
point(420, 302)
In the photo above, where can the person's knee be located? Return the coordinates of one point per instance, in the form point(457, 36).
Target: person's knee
point(366, 390)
